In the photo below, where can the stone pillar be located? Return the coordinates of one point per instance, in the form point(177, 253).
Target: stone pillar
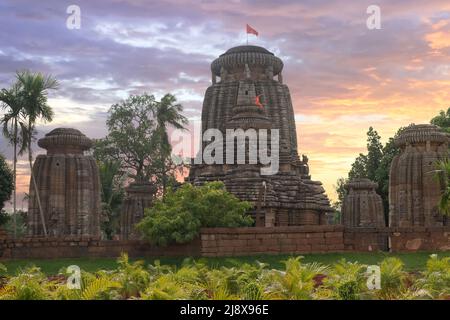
point(140, 196)
point(414, 191)
point(69, 187)
point(362, 206)
point(270, 218)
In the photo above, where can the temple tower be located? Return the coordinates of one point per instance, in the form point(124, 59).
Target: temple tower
point(247, 93)
point(140, 196)
point(414, 190)
point(362, 206)
point(69, 187)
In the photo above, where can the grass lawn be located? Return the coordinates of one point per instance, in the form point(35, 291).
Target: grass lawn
point(413, 261)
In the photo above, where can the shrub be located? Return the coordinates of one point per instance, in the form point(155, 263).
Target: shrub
point(179, 216)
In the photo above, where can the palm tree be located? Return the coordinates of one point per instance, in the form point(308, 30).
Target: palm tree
point(167, 114)
point(13, 122)
point(34, 90)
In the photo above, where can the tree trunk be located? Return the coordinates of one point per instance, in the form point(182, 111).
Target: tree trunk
point(36, 191)
point(15, 180)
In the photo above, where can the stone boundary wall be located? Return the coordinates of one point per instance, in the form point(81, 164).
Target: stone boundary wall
point(420, 239)
point(73, 247)
point(219, 242)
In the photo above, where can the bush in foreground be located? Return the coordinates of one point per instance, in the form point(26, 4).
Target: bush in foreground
point(198, 281)
point(180, 215)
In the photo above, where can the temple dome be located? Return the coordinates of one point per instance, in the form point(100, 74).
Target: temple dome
point(247, 48)
point(421, 133)
point(361, 183)
point(238, 57)
point(65, 140)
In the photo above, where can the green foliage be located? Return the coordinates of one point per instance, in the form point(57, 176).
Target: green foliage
point(138, 139)
point(3, 269)
point(112, 192)
point(197, 281)
point(436, 278)
point(6, 182)
point(393, 279)
point(442, 173)
point(30, 284)
point(20, 224)
point(4, 217)
point(131, 277)
point(375, 165)
point(180, 215)
point(297, 281)
point(442, 120)
point(346, 282)
point(130, 140)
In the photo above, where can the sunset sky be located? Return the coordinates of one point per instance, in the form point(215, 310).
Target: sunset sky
point(343, 77)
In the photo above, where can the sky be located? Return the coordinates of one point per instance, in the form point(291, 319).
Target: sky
point(343, 76)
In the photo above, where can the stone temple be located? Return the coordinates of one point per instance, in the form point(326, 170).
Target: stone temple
point(414, 190)
point(247, 92)
point(140, 196)
point(362, 206)
point(69, 187)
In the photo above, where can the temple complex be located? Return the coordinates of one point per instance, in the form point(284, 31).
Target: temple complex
point(414, 189)
point(362, 206)
point(139, 196)
point(248, 93)
point(69, 187)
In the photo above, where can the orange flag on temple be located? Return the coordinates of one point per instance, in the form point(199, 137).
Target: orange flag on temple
point(258, 102)
point(251, 30)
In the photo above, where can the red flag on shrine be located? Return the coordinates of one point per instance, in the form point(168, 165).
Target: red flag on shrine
point(251, 30)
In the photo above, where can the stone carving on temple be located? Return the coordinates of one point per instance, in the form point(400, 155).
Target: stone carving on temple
point(246, 80)
point(362, 206)
point(414, 190)
point(140, 196)
point(69, 187)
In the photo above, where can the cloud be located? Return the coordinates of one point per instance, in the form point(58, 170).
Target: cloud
point(343, 77)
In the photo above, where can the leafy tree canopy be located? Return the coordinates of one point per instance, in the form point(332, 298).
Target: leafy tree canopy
point(138, 140)
point(375, 165)
point(442, 120)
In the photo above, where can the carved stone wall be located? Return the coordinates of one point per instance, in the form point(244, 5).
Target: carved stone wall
point(139, 197)
point(69, 187)
point(249, 97)
point(362, 206)
point(414, 191)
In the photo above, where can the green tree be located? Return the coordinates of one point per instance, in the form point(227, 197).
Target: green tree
point(337, 205)
point(167, 114)
point(138, 138)
point(359, 167)
point(365, 166)
point(112, 193)
point(14, 124)
point(443, 174)
point(130, 141)
point(375, 165)
point(33, 94)
point(6, 182)
point(442, 120)
point(183, 212)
